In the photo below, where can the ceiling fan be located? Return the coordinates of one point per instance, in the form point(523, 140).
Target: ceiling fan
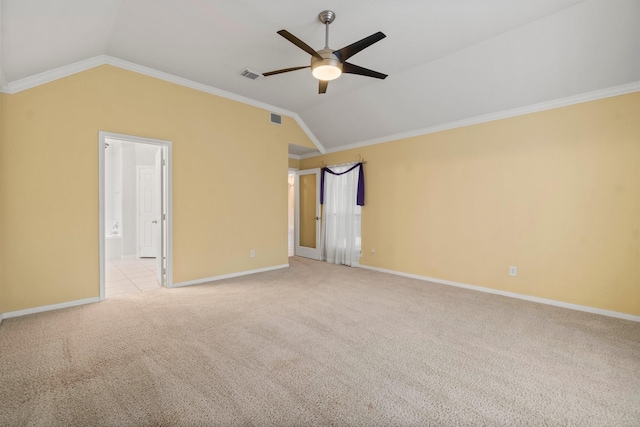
point(328, 64)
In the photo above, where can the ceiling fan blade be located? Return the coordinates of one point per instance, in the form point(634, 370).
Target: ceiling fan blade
point(349, 68)
point(302, 45)
point(284, 70)
point(348, 51)
point(322, 87)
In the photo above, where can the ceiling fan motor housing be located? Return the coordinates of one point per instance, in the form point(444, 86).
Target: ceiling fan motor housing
point(327, 68)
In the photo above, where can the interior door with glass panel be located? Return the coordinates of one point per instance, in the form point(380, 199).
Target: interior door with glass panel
point(307, 185)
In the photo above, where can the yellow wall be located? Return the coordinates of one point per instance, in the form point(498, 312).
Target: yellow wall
point(1, 210)
point(222, 207)
point(294, 164)
point(555, 193)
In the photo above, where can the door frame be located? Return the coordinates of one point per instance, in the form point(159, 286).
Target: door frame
point(166, 229)
point(292, 171)
point(313, 253)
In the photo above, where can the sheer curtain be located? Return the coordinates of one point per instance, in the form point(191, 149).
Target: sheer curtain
point(340, 242)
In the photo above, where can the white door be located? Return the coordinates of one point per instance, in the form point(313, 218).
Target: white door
point(308, 222)
point(148, 211)
point(160, 227)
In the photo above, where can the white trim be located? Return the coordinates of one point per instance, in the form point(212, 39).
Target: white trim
point(294, 156)
point(77, 67)
point(161, 75)
point(535, 108)
point(329, 151)
point(52, 307)
point(228, 276)
point(555, 303)
point(213, 91)
point(67, 70)
point(51, 75)
point(102, 254)
point(102, 136)
point(310, 134)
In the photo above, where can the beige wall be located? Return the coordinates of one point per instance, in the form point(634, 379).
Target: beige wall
point(555, 193)
point(1, 210)
point(294, 164)
point(229, 192)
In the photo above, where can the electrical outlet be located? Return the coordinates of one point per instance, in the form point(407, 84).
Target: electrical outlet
point(513, 271)
point(253, 253)
point(373, 251)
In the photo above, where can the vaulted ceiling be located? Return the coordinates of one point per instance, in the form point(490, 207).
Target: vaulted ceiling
point(448, 60)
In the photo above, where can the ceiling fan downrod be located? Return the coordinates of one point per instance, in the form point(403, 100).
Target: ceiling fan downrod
point(326, 17)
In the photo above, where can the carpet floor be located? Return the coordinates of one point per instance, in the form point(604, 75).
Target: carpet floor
point(318, 344)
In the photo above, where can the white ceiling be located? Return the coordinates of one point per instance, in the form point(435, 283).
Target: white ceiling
point(447, 60)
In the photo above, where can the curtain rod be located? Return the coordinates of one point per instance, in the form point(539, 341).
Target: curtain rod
point(360, 160)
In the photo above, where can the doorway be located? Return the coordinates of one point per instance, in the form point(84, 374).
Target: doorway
point(329, 232)
point(135, 213)
point(308, 213)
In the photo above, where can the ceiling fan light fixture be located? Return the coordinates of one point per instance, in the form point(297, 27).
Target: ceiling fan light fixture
point(326, 72)
point(328, 68)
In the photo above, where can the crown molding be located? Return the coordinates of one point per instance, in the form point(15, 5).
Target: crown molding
point(51, 75)
point(161, 75)
point(520, 111)
point(213, 91)
point(294, 156)
point(331, 150)
point(77, 67)
point(310, 134)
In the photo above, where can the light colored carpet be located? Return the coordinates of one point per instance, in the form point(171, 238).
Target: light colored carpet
point(319, 344)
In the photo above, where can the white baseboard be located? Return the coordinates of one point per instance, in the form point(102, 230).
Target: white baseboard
point(570, 306)
point(228, 276)
point(41, 309)
point(44, 308)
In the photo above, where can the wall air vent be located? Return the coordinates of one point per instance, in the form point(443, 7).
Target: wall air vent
point(250, 74)
point(276, 119)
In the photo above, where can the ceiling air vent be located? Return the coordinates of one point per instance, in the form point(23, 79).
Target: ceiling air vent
point(250, 74)
point(276, 119)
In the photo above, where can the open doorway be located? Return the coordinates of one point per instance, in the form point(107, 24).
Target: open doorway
point(135, 220)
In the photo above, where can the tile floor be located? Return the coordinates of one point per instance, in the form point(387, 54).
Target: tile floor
point(130, 275)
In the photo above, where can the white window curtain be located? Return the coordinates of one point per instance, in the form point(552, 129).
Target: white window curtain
point(340, 235)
